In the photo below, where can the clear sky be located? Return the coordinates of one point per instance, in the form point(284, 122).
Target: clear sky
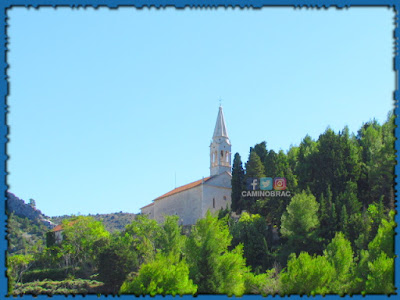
point(106, 106)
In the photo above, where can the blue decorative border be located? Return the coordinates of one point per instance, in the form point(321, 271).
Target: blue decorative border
point(5, 4)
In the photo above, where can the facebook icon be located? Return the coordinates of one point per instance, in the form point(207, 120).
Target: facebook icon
point(252, 184)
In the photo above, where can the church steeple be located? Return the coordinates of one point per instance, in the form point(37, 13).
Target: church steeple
point(220, 127)
point(220, 148)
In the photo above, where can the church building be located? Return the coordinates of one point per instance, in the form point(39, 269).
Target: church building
point(191, 201)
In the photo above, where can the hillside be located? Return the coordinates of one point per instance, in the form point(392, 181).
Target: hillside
point(21, 209)
point(112, 221)
point(25, 235)
point(27, 225)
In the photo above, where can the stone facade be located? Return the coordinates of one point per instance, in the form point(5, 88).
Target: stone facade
point(192, 201)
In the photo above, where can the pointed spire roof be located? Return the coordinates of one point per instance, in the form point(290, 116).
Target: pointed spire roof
point(220, 127)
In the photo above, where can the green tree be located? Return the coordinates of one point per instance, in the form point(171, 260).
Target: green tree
point(293, 157)
point(344, 220)
point(336, 162)
point(237, 184)
point(171, 240)
point(307, 275)
point(208, 257)
point(254, 169)
point(349, 198)
point(378, 161)
point(306, 167)
point(380, 279)
point(388, 161)
point(231, 269)
point(359, 230)
point(340, 255)
point(299, 225)
point(116, 261)
point(267, 283)
point(165, 275)
point(252, 232)
point(17, 265)
point(83, 238)
point(146, 236)
point(376, 213)
point(270, 164)
point(384, 239)
point(374, 272)
point(261, 150)
point(301, 217)
point(254, 166)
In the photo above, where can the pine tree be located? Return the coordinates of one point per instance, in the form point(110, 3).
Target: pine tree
point(237, 184)
point(306, 166)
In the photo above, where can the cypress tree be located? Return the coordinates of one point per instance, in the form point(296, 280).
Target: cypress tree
point(237, 183)
point(261, 150)
point(344, 221)
point(254, 169)
point(270, 164)
point(254, 166)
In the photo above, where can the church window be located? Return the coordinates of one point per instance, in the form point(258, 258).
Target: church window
point(213, 202)
point(222, 153)
point(224, 197)
point(227, 156)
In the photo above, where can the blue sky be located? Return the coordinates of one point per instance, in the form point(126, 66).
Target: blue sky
point(106, 106)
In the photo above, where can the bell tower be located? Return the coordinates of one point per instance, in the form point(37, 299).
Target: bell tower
point(220, 148)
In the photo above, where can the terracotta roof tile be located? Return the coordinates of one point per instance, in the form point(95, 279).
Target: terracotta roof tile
point(183, 188)
point(60, 227)
point(57, 228)
point(152, 203)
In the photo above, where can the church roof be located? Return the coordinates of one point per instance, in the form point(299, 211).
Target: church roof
point(220, 127)
point(183, 188)
point(148, 205)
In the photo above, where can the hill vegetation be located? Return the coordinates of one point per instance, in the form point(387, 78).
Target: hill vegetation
point(334, 235)
point(112, 221)
point(25, 236)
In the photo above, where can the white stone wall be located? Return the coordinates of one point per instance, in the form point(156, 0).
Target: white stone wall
point(192, 204)
point(185, 204)
point(149, 210)
point(58, 236)
point(217, 191)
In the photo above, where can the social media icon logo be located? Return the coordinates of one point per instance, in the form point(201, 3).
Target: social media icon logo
point(279, 184)
point(252, 184)
point(266, 183)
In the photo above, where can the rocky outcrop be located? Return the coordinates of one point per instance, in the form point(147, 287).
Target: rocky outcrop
point(21, 209)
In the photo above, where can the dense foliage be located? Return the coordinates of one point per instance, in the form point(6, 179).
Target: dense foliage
point(335, 234)
point(24, 235)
